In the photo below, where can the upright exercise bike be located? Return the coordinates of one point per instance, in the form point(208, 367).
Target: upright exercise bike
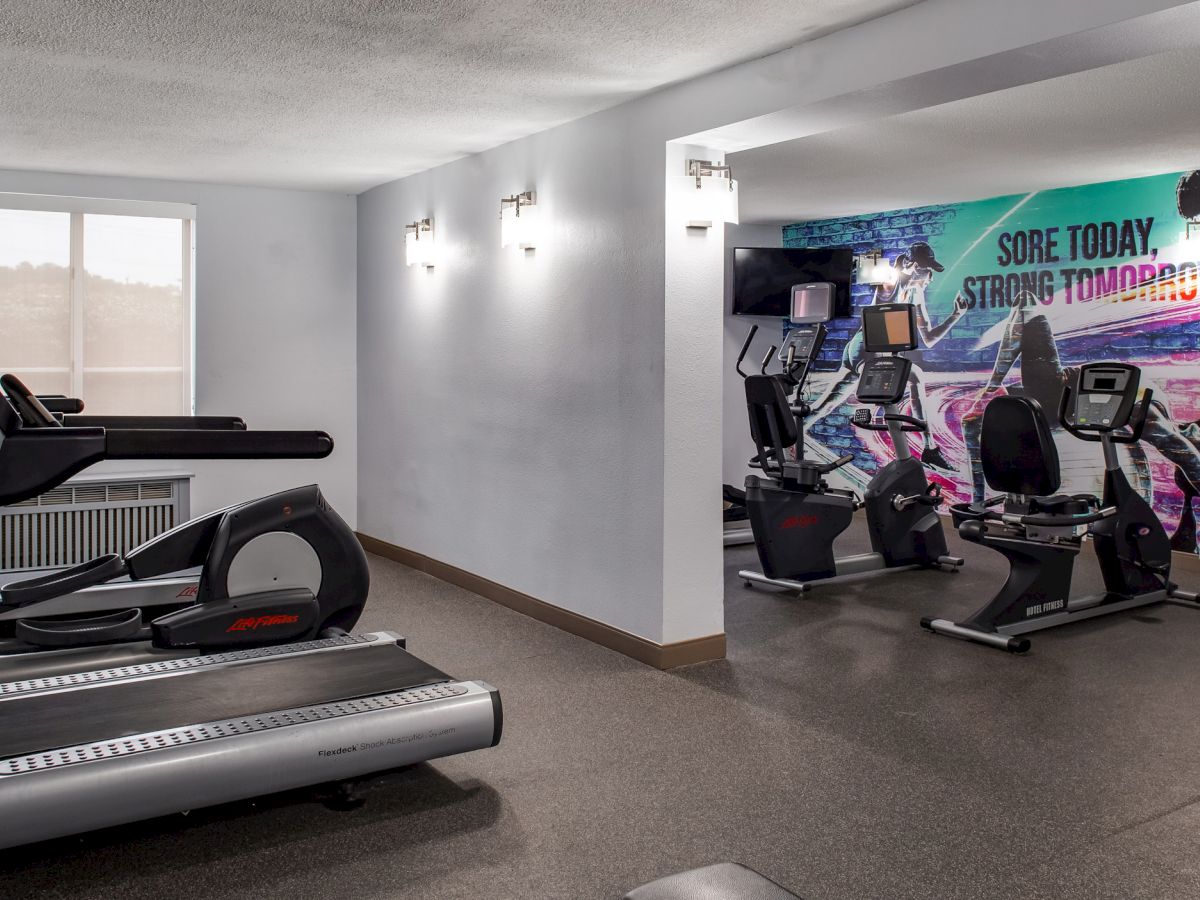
point(1040, 530)
point(796, 516)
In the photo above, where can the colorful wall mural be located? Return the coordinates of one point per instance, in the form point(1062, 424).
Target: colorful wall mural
point(1011, 291)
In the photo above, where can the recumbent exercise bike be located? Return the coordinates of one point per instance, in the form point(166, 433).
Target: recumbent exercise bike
point(1040, 531)
point(794, 513)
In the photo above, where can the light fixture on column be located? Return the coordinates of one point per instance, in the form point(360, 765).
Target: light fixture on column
point(875, 268)
point(710, 194)
point(519, 221)
point(418, 243)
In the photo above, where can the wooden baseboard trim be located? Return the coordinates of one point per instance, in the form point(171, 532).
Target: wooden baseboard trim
point(660, 656)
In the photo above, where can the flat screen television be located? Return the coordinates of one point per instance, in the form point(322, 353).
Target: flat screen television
point(763, 278)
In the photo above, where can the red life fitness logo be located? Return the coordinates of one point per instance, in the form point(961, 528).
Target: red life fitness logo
point(800, 521)
point(256, 622)
point(189, 591)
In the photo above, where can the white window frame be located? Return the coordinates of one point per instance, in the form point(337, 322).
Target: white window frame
point(78, 207)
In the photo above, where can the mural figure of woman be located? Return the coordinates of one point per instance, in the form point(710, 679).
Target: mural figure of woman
point(914, 273)
point(1028, 337)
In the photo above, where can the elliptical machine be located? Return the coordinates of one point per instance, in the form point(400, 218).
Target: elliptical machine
point(1040, 531)
point(796, 516)
point(288, 562)
point(111, 714)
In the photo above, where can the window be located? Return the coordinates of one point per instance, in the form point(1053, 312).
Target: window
point(96, 301)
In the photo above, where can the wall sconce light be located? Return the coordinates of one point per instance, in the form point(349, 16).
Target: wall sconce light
point(875, 268)
point(519, 221)
point(418, 243)
point(710, 195)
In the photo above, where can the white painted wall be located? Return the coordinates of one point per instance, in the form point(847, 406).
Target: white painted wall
point(511, 402)
point(551, 421)
point(692, 581)
point(275, 324)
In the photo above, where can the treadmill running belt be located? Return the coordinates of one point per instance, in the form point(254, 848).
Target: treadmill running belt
point(47, 721)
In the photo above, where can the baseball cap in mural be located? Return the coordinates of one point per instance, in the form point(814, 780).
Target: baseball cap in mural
point(1187, 196)
point(922, 255)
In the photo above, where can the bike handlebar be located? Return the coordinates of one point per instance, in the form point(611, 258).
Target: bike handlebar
point(1049, 521)
point(826, 468)
point(908, 423)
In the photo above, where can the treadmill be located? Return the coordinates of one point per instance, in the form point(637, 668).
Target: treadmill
point(90, 740)
point(102, 735)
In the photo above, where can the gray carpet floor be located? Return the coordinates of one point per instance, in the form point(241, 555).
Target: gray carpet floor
point(839, 749)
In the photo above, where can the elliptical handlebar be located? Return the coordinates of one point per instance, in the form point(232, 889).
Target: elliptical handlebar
point(745, 349)
point(767, 359)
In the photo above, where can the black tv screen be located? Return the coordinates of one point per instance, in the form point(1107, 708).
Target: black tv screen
point(763, 278)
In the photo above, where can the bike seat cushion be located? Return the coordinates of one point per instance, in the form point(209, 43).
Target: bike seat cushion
point(1017, 449)
point(723, 881)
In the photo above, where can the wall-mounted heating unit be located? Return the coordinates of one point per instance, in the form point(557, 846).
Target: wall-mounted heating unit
point(89, 516)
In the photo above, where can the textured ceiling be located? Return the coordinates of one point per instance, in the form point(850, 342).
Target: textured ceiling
point(345, 94)
point(1121, 121)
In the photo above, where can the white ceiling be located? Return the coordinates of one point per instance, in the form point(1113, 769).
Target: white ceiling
point(345, 94)
point(1122, 121)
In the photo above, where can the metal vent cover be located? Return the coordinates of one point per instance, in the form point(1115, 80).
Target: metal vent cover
point(73, 523)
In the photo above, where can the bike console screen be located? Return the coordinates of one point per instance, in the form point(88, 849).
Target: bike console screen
point(889, 328)
point(812, 303)
point(1103, 395)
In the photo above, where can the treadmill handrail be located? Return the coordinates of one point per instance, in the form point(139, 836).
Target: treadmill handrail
point(196, 443)
point(182, 423)
point(34, 460)
point(60, 404)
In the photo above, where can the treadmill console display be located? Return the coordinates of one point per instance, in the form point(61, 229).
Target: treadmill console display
point(889, 328)
point(884, 380)
point(1103, 396)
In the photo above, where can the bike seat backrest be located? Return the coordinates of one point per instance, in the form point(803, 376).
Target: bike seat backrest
point(767, 403)
point(1017, 449)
